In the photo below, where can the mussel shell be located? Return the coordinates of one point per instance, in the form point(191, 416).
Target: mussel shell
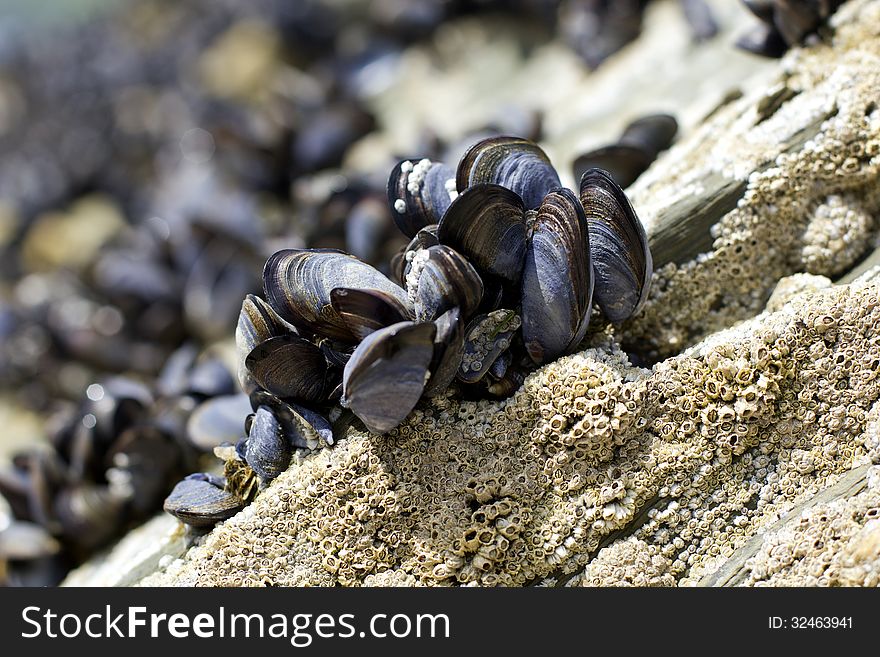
point(217, 421)
point(486, 338)
point(298, 284)
point(366, 311)
point(763, 39)
point(210, 378)
point(443, 280)
point(763, 9)
point(365, 227)
point(557, 283)
point(200, 502)
point(267, 451)
point(622, 264)
point(795, 20)
point(448, 352)
point(174, 376)
point(512, 162)
point(652, 133)
point(386, 375)
point(302, 427)
point(89, 514)
point(506, 386)
point(141, 465)
point(219, 278)
point(419, 192)
point(289, 366)
point(337, 355)
point(257, 322)
point(486, 224)
point(499, 368)
point(624, 162)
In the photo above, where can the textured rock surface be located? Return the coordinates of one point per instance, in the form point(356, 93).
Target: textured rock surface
point(798, 157)
point(598, 472)
point(673, 467)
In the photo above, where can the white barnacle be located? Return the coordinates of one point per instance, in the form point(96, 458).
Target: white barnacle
point(417, 264)
point(451, 189)
point(406, 166)
point(400, 206)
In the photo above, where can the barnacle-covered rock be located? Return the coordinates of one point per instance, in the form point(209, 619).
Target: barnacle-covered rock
point(683, 464)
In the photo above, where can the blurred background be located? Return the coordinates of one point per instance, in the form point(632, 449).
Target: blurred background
point(153, 153)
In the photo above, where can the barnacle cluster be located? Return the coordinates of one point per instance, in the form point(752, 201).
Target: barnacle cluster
point(681, 464)
point(802, 177)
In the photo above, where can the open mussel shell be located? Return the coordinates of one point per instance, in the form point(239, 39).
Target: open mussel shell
point(386, 375)
point(512, 162)
point(298, 284)
point(419, 191)
point(486, 338)
point(366, 311)
point(303, 427)
point(257, 322)
point(201, 500)
point(267, 450)
point(622, 265)
point(440, 279)
point(448, 351)
point(557, 282)
point(486, 224)
point(289, 366)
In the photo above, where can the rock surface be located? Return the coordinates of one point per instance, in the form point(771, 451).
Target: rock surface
point(748, 454)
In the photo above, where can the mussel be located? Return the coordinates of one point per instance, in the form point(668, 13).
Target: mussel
point(557, 282)
point(622, 263)
point(386, 375)
point(515, 163)
point(298, 284)
point(634, 152)
point(201, 500)
point(419, 192)
point(487, 225)
point(440, 279)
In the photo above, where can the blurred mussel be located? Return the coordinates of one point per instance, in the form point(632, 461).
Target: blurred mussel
point(642, 140)
point(784, 23)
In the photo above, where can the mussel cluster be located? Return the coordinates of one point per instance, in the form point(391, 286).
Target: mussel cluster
point(784, 23)
point(112, 461)
point(500, 276)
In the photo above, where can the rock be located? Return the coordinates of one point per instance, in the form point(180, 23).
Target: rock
point(757, 422)
point(153, 545)
point(797, 157)
point(593, 461)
